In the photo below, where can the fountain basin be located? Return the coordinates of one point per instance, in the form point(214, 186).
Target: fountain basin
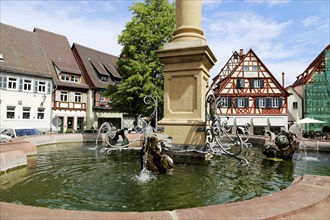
point(307, 198)
point(309, 193)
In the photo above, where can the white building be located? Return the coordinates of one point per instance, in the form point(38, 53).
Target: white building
point(25, 81)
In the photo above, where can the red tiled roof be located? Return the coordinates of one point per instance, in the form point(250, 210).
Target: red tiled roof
point(58, 53)
point(95, 63)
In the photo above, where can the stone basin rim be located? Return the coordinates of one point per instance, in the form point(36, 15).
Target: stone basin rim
point(307, 197)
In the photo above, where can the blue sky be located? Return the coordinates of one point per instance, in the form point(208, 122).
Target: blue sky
point(286, 34)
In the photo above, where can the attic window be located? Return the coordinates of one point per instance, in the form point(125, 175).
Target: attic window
point(1, 58)
point(59, 58)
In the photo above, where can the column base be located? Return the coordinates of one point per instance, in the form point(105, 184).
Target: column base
point(184, 132)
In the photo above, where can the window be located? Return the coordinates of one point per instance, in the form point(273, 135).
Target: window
point(11, 112)
point(75, 78)
point(256, 83)
point(64, 96)
point(245, 68)
point(104, 78)
point(295, 105)
point(275, 103)
point(261, 102)
point(224, 102)
point(255, 68)
point(41, 86)
point(102, 98)
point(12, 83)
point(65, 77)
point(242, 102)
point(27, 85)
point(77, 97)
point(41, 113)
point(26, 112)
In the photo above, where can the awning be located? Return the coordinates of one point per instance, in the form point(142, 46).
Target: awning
point(230, 120)
point(260, 121)
point(241, 121)
point(277, 122)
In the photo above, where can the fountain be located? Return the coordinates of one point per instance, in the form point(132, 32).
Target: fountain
point(283, 145)
point(74, 173)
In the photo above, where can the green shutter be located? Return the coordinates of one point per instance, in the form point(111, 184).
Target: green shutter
point(35, 86)
point(262, 83)
point(246, 103)
point(252, 84)
point(20, 86)
point(257, 102)
point(280, 102)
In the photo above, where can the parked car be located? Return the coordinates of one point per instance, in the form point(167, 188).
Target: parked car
point(18, 132)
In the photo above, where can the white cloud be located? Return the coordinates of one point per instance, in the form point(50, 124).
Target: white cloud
point(269, 3)
point(232, 32)
point(311, 21)
point(88, 30)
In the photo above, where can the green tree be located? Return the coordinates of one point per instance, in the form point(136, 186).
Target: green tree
point(152, 25)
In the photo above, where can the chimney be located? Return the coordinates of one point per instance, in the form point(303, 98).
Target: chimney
point(283, 79)
point(241, 52)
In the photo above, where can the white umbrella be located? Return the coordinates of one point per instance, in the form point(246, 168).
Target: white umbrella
point(309, 121)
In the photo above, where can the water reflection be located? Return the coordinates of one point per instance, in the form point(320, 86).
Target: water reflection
point(74, 177)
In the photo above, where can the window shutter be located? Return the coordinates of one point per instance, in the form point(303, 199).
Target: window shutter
point(280, 102)
point(35, 86)
point(268, 102)
point(252, 84)
point(236, 102)
point(246, 104)
point(257, 102)
point(240, 83)
point(49, 89)
point(2, 84)
point(20, 87)
point(71, 97)
point(262, 83)
point(58, 95)
point(84, 99)
point(229, 102)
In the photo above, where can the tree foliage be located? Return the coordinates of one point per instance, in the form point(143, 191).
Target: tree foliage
point(152, 25)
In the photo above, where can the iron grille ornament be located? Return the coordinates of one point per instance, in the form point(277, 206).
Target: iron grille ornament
point(217, 132)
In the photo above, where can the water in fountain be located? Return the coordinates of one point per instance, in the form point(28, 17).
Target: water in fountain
point(106, 128)
point(296, 129)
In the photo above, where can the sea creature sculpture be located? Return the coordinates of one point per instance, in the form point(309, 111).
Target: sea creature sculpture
point(112, 138)
point(281, 146)
point(156, 160)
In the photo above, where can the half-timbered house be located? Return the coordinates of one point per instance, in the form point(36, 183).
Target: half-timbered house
point(250, 94)
point(99, 70)
point(70, 95)
point(313, 85)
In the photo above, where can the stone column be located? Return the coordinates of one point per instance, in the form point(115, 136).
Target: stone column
point(188, 21)
point(187, 60)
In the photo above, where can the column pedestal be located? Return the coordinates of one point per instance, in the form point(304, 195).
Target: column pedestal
point(186, 75)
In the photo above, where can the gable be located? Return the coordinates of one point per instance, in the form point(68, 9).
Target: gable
point(253, 77)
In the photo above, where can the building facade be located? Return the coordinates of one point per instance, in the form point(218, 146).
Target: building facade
point(99, 70)
point(25, 81)
point(295, 106)
point(313, 85)
point(250, 94)
point(69, 99)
